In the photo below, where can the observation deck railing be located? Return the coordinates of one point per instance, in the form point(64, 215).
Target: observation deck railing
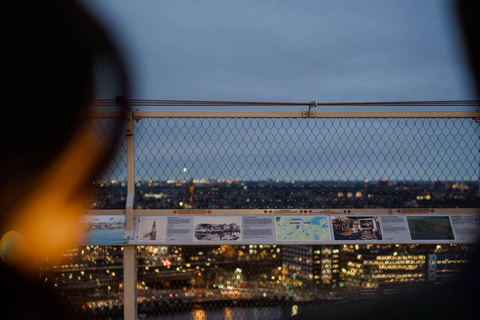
point(276, 160)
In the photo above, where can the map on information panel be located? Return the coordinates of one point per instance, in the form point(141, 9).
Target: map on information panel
point(302, 228)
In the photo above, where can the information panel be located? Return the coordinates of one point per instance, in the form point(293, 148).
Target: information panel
point(199, 229)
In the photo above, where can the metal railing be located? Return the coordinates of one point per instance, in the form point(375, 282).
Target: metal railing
point(280, 160)
point(328, 154)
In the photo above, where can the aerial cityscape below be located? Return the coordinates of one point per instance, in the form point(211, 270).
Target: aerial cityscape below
point(195, 281)
point(268, 194)
point(178, 279)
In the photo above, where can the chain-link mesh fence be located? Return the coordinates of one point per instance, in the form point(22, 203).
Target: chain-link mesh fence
point(306, 163)
point(299, 149)
point(110, 191)
point(250, 163)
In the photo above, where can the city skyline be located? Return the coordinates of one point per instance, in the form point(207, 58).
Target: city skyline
point(288, 195)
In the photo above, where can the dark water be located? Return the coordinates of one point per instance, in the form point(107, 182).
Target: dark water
point(254, 313)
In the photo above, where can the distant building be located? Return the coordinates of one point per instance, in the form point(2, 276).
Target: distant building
point(315, 266)
point(382, 266)
point(445, 264)
point(189, 203)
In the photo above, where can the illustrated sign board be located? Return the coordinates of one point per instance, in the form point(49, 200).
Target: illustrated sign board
point(286, 227)
point(305, 229)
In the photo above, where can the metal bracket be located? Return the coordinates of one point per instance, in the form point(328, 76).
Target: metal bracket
point(310, 113)
point(129, 123)
point(123, 103)
point(129, 223)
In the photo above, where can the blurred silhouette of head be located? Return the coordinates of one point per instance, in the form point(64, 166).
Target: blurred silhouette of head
point(51, 153)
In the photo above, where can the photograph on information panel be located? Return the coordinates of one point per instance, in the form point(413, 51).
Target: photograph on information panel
point(430, 228)
point(217, 228)
point(152, 229)
point(103, 229)
point(366, 228)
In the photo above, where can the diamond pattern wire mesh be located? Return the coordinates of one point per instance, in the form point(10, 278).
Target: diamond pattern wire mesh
point(110, 191)
point(322, 162)
point(307, 149)
point(277, 163)
point(296, 163)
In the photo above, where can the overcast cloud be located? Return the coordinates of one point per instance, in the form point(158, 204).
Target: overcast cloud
point(330, 51)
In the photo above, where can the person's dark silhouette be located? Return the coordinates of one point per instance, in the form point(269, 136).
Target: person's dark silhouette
point(51, 52)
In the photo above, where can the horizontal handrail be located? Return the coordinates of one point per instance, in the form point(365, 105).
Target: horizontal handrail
point(139, 114)
point(312, 104)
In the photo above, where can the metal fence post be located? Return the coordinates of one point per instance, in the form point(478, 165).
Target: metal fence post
point(130, 252)
point(130, 282)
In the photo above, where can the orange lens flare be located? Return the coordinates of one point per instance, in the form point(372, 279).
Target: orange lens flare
point(49, 221)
